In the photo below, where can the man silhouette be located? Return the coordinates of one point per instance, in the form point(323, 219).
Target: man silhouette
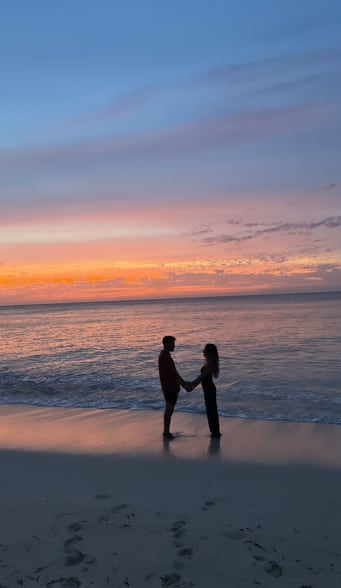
point(170, 382)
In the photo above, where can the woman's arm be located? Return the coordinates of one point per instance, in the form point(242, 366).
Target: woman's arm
point(182, 382)
point(197, 381)
point(205, 372)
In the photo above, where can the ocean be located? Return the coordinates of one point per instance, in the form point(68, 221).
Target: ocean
point(280, 355)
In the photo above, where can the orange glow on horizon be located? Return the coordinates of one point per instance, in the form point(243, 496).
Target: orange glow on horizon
point(73, 282)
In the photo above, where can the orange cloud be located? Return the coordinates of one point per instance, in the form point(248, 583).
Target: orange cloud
point(216, 248)
point(93, 281)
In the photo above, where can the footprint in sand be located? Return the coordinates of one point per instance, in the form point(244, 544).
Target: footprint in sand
point(119, 507)
point(186, 552)
point(170, 579)
point(74, 527)
point(73, 556)
point(208, 504)
point(178, 529)
point(175, 579)
point(69, 543)
point(274, 569)
point(235, 534)
point(102, 496)
point(257, 554)
point(71, 582)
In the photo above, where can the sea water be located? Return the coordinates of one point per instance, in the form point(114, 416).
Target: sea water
point(279, 354)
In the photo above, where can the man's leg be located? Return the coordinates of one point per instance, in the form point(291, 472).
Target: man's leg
point(167, 418)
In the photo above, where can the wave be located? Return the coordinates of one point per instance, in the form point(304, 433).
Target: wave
point(32, 394)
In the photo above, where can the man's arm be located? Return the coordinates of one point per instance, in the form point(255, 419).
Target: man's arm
point(167, 369)
point(181, 380)
point(184, 383)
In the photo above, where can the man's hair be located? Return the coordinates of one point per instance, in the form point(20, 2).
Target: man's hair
point(168, 339)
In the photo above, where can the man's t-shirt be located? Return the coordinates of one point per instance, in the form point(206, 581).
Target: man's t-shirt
point(168, 375)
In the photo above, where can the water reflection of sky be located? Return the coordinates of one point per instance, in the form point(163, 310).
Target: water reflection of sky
point(66, 430)
point(280, 356)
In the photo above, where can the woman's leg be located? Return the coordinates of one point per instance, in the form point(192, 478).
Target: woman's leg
point(212, 412)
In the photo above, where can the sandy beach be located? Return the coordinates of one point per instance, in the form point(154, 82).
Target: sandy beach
point(95, 498)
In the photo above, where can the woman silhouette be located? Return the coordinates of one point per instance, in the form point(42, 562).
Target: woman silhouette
point(210, 370)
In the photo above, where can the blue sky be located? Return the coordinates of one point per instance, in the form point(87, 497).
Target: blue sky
point(147, 105)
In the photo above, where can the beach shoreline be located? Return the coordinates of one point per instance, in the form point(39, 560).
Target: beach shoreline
point(112, 431)
point(95, 498)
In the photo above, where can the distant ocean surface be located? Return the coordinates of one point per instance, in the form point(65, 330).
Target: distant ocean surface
point(280, 354)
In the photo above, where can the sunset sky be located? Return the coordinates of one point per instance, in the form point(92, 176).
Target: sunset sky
point(159, 149)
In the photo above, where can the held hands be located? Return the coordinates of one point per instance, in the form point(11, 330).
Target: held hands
point(188, 386)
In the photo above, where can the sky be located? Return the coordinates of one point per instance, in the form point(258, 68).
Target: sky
point(153, 149)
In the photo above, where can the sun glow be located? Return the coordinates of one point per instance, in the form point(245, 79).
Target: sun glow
point(167, 277)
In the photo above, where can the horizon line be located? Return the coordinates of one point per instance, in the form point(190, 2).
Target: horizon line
point(165, 299)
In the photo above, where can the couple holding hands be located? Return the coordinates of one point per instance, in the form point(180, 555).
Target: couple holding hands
point(171, 382)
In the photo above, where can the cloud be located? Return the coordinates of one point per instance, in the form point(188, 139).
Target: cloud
point(310, 25)
point(201, 135)
point(295, 84)
point(329, 223)
point(126, 104)
point(326, 267)
point(270, 258)
point(233, 221)
point(202, 230)
point(254, 70)
point(311, 74)
point(114, 109)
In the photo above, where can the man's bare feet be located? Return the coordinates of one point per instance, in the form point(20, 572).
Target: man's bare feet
point(168, 436)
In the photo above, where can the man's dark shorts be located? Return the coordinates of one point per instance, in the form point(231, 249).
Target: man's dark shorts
point(171, 397)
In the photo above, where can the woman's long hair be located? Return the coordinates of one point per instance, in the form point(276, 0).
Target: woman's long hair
point(211, 353)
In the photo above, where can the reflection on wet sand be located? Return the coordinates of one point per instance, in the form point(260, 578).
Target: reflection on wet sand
point(214, 447)
point(139, 432)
